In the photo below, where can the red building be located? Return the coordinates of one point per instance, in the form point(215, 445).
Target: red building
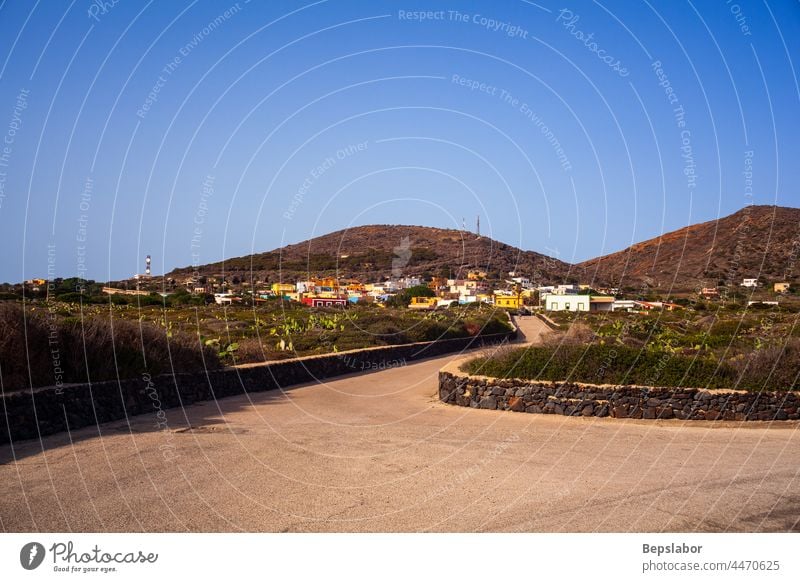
point(325, 301)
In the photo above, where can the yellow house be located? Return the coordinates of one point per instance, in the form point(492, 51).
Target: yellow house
point(508, 301)
point(282, 288)
point(781, 287)
point(331, 282)
point(423, 303)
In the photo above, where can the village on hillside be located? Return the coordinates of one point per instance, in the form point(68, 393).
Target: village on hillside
point(516, 292)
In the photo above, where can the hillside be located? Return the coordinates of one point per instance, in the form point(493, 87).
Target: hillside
point(377, 251)
point(754, 242)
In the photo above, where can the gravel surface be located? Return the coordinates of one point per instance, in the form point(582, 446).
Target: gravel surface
point(378, 452)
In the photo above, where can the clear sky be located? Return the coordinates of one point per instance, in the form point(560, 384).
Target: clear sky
point(195, 131)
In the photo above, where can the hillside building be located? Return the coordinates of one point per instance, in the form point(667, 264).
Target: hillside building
point(423, 303)
point(508, 301)
point(709, 293)
point(281, 289)
point(565, 290)
point(325, 301)
point(225, 298)
point(559, 302)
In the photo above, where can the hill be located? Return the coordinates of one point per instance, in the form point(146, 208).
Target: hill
point(373, 252)
point(757, 241)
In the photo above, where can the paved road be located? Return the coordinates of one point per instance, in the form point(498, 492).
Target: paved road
point(378, 452)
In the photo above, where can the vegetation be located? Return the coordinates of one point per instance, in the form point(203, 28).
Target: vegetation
point(744, 349)
point(124, 340)
point(775, 369)
point(403, 298)
point(47, 345)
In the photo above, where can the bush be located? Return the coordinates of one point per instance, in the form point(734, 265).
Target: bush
point(99, 348)
point(576, 334)
point(727, 328)
point(601, 364)
point(21, 367)
point(775, 367)
point(403, 298)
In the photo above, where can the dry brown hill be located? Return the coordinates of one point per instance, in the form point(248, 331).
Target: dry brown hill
point(377, 251)
point(757, 241)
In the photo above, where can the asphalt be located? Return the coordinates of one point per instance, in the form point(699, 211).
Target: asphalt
point(379, 452)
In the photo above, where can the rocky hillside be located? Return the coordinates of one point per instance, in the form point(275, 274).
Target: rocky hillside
point(757, 241)
point(377, 251)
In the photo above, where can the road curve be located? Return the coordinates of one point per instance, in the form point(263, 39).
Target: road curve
point(379, 452)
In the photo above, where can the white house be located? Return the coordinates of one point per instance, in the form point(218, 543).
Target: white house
point(557, 302)
point(560, 302)
point(407, 282)
point(749, 282)
point(466, 287)
point(601, 303)
point(223, 298)
point(624, 305)
point(566, 289)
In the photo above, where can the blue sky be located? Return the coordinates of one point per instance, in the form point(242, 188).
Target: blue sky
point(202, 130)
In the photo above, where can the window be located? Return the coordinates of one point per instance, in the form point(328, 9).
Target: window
point(566, 306)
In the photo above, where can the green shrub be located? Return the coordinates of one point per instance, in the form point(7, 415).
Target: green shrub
point(727, 328)
point(620, 365)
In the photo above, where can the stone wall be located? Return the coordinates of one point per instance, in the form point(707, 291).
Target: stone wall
point(547, 321)
point(42, 411)
point(578, 399)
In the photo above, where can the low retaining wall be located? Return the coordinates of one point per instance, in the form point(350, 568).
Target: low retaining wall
point(547, 321)
point(578, 399)
point(30, 414)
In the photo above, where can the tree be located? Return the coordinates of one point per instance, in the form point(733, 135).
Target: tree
point(403, 298)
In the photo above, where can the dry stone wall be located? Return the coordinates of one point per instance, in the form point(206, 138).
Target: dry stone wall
point(578, 399)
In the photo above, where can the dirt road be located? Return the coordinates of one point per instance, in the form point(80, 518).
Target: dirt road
point(378, 452)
